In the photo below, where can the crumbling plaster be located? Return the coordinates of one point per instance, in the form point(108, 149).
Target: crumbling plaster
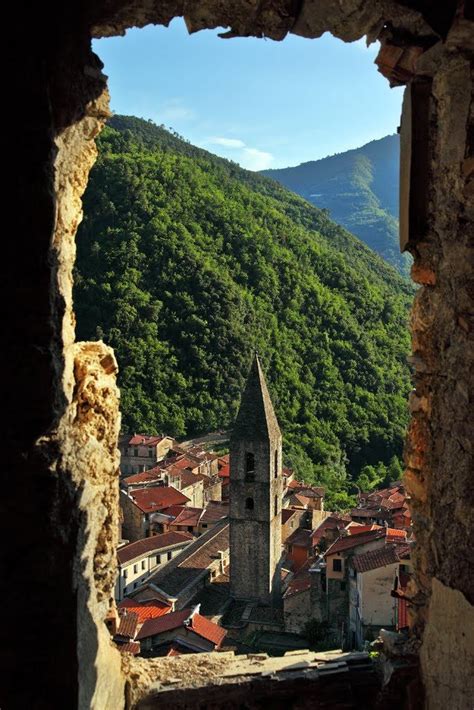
point(63, 449)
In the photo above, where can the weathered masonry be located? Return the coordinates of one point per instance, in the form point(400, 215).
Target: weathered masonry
point(61, 401)
point(256, 489)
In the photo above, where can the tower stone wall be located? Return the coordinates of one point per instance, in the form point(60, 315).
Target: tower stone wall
point(256, 487)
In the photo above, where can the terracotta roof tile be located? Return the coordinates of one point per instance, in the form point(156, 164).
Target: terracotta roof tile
point(153, 474)
point(152, 609)
point(150, 500)
point(301, 582)
point(130, 647)
point(300, 537)
point(351, 541)
point(128, 625)
point(150, 544)
point(153, 627)
point(208, 630)
point(374, 559)
point(214, 511)
point(144, 440)
point(188, 516)
point(193, 560)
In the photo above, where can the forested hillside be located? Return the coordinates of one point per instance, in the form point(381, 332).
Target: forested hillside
point(186, 264)
point(360, 189)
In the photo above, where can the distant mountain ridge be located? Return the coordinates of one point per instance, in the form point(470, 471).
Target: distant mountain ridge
point(360, 189)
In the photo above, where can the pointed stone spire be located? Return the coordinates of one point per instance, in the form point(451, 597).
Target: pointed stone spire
point(256, 418)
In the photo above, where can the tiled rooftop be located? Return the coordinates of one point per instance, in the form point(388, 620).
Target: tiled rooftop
point(150, 544)
point(374, 559)
point(192, 562)
point(150, 500)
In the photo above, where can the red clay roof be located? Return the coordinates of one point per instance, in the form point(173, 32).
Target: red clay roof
point(153, 627)
point(130, 647)
point(150, 500)
point(144, 440)
point(300, 537)
point(188, 478)
point(302, 579)
point(346, 543)
point(199, 624)
point(214, 511)
point(128, 625)
point(188, 516)
point(153, 474)
point(298, 500)
point(350, 541)
point(374, 559)
point(150, 544)
point(208, 630)
point(152, 609)
point(186, 462)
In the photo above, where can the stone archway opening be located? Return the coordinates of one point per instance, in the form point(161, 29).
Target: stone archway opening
point(64, 447)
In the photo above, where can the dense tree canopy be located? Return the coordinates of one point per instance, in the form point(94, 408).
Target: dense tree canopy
point(187, 263)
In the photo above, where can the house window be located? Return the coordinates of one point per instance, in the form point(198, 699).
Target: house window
point(249, 503)
point(125, 573)
point(135, 569)
point(337, 565)
point(170, 555)
point(150, 453)
point(276, 505)
point(158, 559)
point(249, 466)
point(143, 564)
point(135, 452)
point(276, 463)
point(204, 525)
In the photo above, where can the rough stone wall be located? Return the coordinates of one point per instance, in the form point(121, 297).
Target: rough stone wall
point(297, 611)
point(133, 527)
point(440, 445)
point(62, 402)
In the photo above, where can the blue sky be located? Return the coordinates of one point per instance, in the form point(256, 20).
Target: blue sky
point(261, 103)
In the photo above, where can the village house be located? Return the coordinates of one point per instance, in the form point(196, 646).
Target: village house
point(372, 577)
point(314, 494)
point(141, 452)
point(152, 477)
point(138, 560)
point(189, 519)
point(387, 506)
point(139, 504)
point(194, 568)
point(185, 631)
point(354, 540)
point(299, 547)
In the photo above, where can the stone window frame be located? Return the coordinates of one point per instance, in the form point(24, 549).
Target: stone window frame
point(71, 377)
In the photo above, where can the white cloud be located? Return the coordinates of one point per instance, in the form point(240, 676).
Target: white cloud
point(227, 142)
point(175, 110)
point(249, 158)
point(254, 159)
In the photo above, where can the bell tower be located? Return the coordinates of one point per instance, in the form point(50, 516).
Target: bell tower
point(256, 487)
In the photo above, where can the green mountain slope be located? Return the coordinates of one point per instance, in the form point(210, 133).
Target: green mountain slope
point(186, 263)
point(360, 189)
